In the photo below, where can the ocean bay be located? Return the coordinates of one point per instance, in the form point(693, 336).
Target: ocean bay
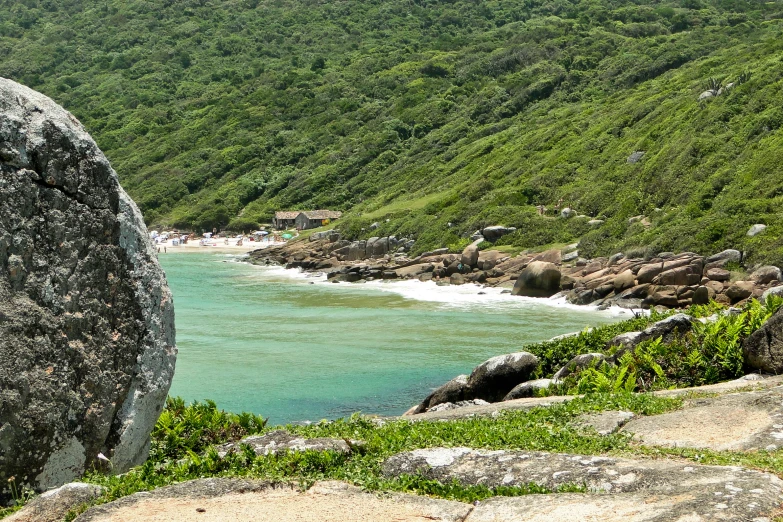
point(292, 348)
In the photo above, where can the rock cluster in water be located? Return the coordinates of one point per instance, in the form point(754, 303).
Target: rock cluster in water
point(87, 346)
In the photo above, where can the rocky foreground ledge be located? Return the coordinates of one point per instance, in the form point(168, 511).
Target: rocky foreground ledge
point(668, 280)
point(736, 416)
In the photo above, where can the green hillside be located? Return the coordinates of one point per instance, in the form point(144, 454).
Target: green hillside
point(438, 116)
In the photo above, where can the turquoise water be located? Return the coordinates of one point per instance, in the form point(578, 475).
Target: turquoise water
point(293, 348)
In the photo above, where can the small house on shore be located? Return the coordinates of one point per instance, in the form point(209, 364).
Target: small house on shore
point(284, 220)
point(303, 220)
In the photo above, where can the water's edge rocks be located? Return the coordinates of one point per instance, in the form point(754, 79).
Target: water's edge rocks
point(87, 346)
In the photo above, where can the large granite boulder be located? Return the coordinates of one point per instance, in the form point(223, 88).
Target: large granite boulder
point(538, 279)
point(87, 345)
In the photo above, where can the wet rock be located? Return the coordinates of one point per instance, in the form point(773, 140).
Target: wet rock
point(280, 441)
point(87, 346)
point(578, 363)
point(494, 378)
point(638, 490)
point(529, 389)
point(538, 279)
point(54, 505)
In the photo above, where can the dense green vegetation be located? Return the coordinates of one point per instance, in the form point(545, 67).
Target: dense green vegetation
point(428, 112)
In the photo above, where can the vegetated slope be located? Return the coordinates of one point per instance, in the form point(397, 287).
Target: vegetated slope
point(427, 113)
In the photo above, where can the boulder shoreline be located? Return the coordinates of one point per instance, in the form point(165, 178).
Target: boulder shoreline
point(665, 281)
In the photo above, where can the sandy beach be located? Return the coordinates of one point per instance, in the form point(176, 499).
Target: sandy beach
point(217, 246)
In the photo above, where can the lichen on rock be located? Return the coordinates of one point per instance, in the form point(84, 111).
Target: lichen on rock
point(87, 346)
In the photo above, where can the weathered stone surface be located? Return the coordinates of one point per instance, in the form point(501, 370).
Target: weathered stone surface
point(538, 279)
point(766, 274)
point(739, 421)
point(281, 440)
point(642, 490)
point(495, 377)
point(763, 349)
point(775, 290)
point(446, 406)
point(647, 273)
point(54, 505)
point(578, 363)
point(756, 230)
point(496, 232)
point(666, 328)
point(470, 255)
point(224, 500)
point(730, 255)
point(739, 290)
point(87, 345)
point(452, 391)
point(717, 274)
point(528, 389)
point(605, 422)
point(701, 295)
point(624, 281)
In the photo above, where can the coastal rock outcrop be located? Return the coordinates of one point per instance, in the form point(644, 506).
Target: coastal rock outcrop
point(87, 346)
point(538, 279)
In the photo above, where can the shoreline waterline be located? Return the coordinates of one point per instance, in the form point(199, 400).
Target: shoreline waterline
point(263, 339)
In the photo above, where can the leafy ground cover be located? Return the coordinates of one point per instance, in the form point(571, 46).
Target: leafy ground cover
point(428, 113)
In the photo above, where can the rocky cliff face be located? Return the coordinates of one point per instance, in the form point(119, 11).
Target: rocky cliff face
point(87, 346)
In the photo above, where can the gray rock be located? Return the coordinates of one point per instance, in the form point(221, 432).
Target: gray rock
point(446, 406)
point(87, 346)
point(666, 328)
point(457, 279)
point(279, 441)
point(328, 501)
point(452, 391)
point(529, 389)
point(595, 222)
point(571, 256)
point(54, 505)
point(734, 422)
point(579, 362)
point(639, 490)
point(567, 213)
point(763, 349)
point(775, 290)
point(495, 377)
point(605, 422)
point(766, 274)
point(706, 95)
point(756, 230)
point(636, 156)
point(357, 251)
point(730, 255)
point(538, 279)
point(496, 232)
